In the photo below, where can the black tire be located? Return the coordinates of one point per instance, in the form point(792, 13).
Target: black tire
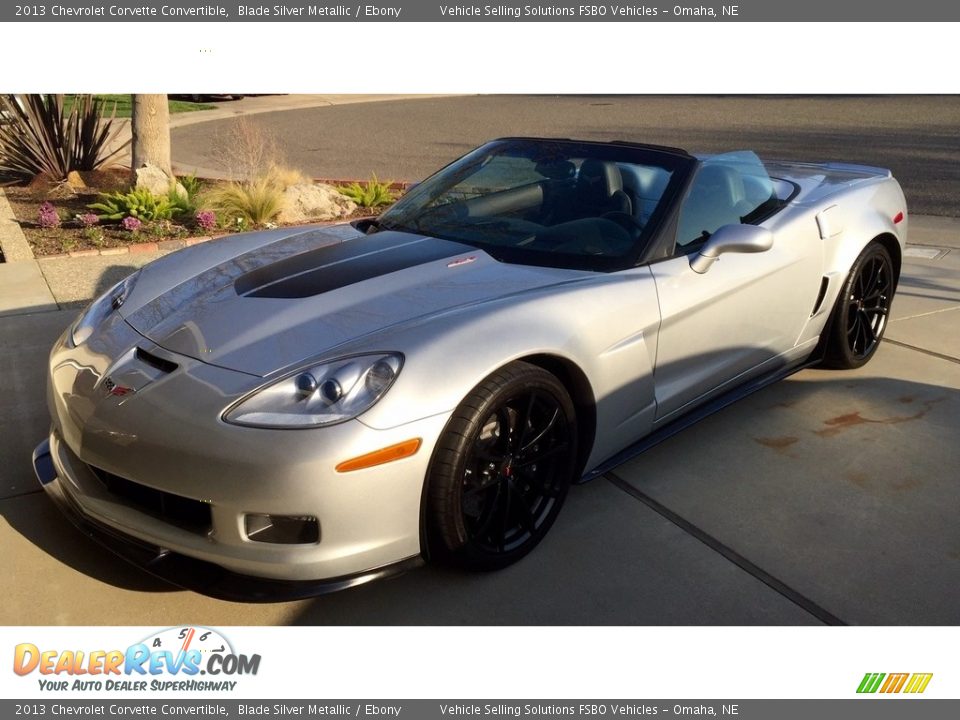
point(501, 469)
point(860, 316)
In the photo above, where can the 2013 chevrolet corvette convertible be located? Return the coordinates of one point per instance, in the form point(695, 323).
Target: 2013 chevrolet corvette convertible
point(286, 412)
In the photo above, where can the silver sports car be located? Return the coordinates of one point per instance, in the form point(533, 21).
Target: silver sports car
point(280, 413)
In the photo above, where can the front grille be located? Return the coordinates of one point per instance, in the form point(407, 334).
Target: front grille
point(186, 513)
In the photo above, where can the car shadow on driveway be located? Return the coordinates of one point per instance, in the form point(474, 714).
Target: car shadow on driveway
point(39, 522)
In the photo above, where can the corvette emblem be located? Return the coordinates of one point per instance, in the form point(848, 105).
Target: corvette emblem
point(113, 388)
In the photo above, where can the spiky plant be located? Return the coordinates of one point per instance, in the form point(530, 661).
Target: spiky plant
point(373, 193)
point(38, 135)
point(138, 203)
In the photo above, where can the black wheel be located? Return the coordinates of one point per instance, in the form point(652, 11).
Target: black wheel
point(502, 468)
point(860, 315)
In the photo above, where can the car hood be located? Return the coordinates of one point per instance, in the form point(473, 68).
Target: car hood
point(301, 296)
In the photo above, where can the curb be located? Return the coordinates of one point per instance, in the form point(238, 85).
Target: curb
point(135, 248)
point(13, 243)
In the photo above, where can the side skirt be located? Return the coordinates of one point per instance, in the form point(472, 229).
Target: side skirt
point(699, 413)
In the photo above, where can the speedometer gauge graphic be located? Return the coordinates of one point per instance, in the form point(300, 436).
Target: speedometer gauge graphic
point(188, 637)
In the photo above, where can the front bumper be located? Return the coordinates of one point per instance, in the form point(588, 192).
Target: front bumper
point(166, 439)
point(187, 572)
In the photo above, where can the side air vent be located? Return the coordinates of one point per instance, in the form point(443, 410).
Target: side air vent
point(824, 283)
point(165, 366)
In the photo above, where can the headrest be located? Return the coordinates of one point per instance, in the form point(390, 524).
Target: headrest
point(598, 179)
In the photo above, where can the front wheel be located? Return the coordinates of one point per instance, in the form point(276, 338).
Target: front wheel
point(860, 315)
point(502, 468)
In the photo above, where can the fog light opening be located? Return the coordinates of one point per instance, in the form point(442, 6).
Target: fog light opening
point(282, 529)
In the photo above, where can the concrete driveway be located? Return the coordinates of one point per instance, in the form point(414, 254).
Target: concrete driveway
point(829, 497)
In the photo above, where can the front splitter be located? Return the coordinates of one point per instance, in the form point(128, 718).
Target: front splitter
point(190, 573)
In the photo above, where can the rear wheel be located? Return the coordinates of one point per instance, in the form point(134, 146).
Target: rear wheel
point(502, 468)
point(860, 315)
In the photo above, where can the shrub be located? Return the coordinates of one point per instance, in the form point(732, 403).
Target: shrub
point(180, 203)
point(371, 194)
point(192, 184)
point(87, 220)
point(164, 229)
point(94, 235)
point(284, 177)
point(137, 203)
point(206, 220)
point(131, 223)
point(48, 217)
point(40, 136)
point(244, 148)
point(256, 202)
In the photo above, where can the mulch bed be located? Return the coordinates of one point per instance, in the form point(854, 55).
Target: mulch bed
point(25, 201)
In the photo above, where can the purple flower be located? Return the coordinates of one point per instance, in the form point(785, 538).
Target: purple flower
point(131, 223)
point(88, 220)
point(48, 217)
point(206, 220)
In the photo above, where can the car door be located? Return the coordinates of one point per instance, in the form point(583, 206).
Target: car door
point(734, 321)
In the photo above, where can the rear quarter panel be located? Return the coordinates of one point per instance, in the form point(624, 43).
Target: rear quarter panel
point(851, 217)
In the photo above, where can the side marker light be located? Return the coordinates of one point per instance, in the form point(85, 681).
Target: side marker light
point(381, 456)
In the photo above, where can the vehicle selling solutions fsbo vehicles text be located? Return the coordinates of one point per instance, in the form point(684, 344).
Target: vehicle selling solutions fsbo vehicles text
point(586, 11)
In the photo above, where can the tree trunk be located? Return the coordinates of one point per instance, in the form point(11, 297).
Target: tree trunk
point(151, 133)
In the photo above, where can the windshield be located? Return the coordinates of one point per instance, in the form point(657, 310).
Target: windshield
point(728, 189)
point(541, 202)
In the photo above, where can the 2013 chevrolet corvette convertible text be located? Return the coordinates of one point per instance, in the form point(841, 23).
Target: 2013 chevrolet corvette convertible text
point(281, 413)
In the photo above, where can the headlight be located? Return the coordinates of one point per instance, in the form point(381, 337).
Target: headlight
point(319, 395)
point(100, 310)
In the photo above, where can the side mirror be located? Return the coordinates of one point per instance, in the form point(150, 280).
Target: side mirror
point(731, 238)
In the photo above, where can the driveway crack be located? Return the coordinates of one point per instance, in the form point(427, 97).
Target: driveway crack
point(775, 584)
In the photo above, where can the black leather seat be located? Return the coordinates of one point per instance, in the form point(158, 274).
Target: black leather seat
point(600, 189)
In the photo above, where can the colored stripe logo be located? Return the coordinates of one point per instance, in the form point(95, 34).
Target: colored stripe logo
point(913, 683)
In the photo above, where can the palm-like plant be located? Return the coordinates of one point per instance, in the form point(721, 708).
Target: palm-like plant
point(40, 135)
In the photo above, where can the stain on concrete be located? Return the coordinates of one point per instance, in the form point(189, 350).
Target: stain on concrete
point(908, 484)
point(860, 479)
point(780, 444)
point(841, 423)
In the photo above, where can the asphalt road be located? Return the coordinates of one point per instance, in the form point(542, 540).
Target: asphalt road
point(916, 136)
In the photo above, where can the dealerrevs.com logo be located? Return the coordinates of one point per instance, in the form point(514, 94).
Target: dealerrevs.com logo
point(912, 683)
point(172, 659)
